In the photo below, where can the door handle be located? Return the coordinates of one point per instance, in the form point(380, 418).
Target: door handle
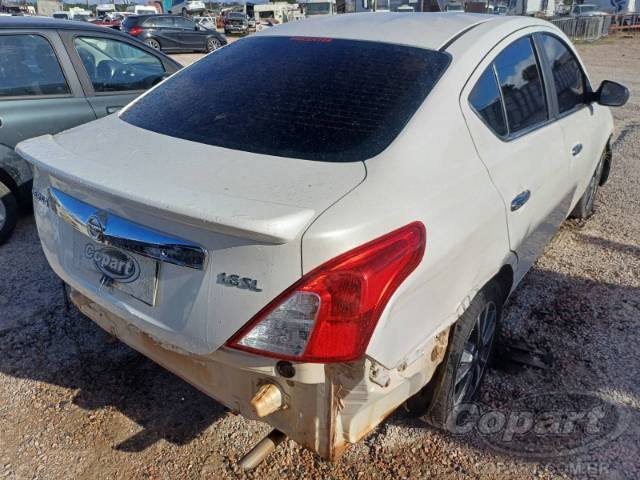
point(520, 200)
point(111, 110)
point(576, 149)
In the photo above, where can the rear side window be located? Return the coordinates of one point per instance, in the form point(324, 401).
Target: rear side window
point(159, 22)
point(115, 66)
point(309, 98)
point(29, 67)
point(521, 85)
point(181, 22)
point(568, 77)
point(485, 100)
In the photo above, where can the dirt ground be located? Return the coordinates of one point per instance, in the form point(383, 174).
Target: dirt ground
point(74, 403)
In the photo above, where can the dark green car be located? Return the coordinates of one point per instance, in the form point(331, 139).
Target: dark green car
point(54, 75)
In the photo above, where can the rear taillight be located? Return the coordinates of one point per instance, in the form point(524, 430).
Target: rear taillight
point(329, 315)
point(135, 31)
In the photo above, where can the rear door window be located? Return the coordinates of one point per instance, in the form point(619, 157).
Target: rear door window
point(521, 84)
point(485, 100)
point(568, 77)
point(160, 22)
point(29, 67)
point(309, 98)
point(184, 24)
point(116, 66)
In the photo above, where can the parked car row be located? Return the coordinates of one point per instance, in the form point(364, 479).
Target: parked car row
point(54, 75)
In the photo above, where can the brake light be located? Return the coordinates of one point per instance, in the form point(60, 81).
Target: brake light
point(135, 31)
point(329, 315)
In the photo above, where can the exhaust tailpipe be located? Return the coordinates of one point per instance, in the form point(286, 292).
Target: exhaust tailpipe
point(262, 450)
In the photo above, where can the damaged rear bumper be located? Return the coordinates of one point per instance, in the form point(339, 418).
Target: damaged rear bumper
point(324, 407)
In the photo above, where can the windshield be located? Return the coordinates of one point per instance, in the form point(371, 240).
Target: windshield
point(382, 5)
point(454, 8)
point(60, 15)
point(302, 97)
point(318, 8)
point(588, 8)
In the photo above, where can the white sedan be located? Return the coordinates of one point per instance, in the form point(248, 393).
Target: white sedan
point(350, 214)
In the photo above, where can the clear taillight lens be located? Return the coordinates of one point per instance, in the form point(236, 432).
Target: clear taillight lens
point(330, 314)
point(286, 329)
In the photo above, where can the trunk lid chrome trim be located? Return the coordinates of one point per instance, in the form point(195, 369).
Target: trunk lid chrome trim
point(112, 230)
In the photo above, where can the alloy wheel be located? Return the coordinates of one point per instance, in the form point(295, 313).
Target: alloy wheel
point(213, 44)
point(475, 355)
point(153, 43)
point(593, 186)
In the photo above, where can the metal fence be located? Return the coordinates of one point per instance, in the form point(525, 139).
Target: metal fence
point(584, 28)
point(626, 23)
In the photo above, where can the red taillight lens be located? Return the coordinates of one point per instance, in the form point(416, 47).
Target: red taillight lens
point(135, 31)
point(330, 314)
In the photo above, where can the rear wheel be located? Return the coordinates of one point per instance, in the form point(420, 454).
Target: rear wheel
point(213, 44)
point(460, 374)
point(184, 12)
point(8, 212)
point(584, 207)
point(153, 43)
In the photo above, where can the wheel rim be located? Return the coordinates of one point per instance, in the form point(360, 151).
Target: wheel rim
point(213, 44)
point(593, 186)
point(475, 355)
point(3, 215)
point(153, 44)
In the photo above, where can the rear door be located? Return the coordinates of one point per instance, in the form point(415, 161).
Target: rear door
point(191, 36)
point(511, 122)
point(114, 70)
point(165, 31)
point(584, 141)
point(39, 90)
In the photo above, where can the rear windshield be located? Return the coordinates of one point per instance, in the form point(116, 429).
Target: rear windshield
point(130, 21)
point(300, 97)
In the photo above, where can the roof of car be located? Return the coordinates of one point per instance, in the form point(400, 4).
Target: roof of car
point(424, 30)
point(47, 22)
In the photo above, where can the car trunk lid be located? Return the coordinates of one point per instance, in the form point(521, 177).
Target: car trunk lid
point(245, 211)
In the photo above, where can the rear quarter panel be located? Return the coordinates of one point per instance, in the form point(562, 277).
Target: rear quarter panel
point(431, 173)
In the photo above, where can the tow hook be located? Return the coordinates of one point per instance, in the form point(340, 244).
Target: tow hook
point(269, 399)
point(262, 449)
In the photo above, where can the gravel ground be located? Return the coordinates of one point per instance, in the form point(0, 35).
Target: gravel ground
point(74, 403)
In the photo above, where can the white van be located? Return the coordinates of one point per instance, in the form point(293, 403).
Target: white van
point(142, 9)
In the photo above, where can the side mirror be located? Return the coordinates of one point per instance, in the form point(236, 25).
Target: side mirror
point(611, 94)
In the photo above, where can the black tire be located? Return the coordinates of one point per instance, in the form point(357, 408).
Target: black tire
point(212, 44)
point(584, 207)
point(440, 398)
point(184, 13)
point(8, 212)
